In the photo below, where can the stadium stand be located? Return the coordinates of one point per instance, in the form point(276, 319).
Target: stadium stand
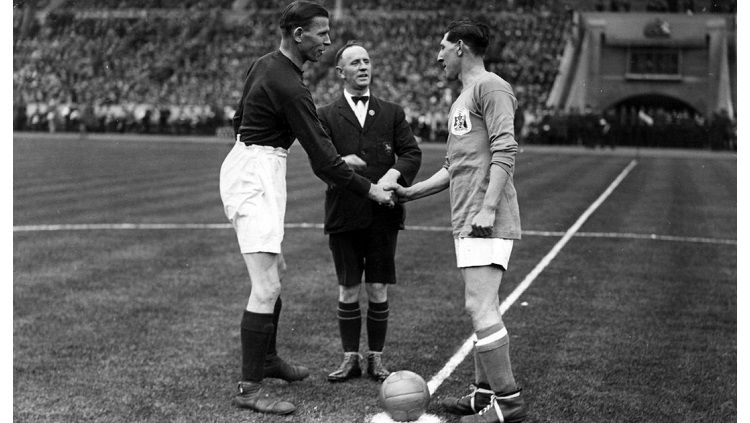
point(169, 66)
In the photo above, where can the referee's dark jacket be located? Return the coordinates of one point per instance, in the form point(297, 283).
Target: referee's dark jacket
point(385, 142)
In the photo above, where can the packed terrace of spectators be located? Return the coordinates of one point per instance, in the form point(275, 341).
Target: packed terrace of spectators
point(176, 66)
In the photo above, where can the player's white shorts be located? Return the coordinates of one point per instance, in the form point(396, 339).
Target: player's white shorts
point(472, 252)
point(252, 184)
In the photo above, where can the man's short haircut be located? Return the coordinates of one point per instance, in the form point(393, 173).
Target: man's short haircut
point(300, 14)
point(473, 33)
point(350, 43)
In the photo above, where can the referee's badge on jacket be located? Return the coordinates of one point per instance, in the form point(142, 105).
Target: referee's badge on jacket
point(388, 147)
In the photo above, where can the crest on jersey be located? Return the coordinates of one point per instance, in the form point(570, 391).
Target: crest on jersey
point(460, 122)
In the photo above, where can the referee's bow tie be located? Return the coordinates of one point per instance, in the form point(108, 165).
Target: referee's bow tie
point(356, 99)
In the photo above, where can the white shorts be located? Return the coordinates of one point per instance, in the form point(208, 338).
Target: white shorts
point(252, 184)
point(472, 252)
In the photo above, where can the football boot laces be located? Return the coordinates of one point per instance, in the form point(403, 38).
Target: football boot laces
point(476, 389)
point(493, 404)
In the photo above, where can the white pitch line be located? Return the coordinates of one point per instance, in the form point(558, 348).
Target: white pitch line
point(656, 237)
point(467, 346)
point(303, 225)
point(119, 226)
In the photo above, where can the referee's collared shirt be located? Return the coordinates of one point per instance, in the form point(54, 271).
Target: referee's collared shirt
point(277, 107)
point(359, 108)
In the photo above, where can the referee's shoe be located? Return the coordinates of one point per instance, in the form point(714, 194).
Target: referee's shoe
point(348, 369)
point(375, 368)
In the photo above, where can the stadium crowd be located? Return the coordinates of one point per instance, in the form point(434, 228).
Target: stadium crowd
point(632, 126)
point(160, 74)
point(149, 72)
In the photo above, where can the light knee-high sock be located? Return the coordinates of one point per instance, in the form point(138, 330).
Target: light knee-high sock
point(377, 325)
point(493, 351)
point(276, 313)
point(256, 330)
point(350, 324)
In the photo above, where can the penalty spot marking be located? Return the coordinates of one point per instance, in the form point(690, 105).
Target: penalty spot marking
point(468, 345)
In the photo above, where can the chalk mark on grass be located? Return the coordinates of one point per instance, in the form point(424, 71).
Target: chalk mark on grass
point(303, 225)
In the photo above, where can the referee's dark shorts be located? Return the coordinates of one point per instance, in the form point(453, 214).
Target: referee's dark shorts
point(371, 250)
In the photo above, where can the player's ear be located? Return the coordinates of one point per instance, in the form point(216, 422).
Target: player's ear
point(340, 72)
point(297, 34)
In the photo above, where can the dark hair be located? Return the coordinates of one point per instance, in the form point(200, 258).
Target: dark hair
point(474, 34)
point(300, 14)
point(350, 43)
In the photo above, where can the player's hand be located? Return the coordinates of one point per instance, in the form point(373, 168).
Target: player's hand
point(402, 194)
point(393, 188)
point(482, 223)
point(381, 196)
point(355, 162)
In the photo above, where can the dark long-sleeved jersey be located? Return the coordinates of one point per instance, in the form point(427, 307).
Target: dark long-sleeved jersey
point(277, 107)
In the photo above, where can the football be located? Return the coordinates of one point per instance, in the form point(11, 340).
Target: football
point(404, 396)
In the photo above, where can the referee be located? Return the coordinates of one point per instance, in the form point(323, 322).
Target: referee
point(276, 108)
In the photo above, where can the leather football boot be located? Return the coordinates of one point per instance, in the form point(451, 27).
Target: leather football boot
point(348, 369)
point(252, 397)
point(275, 367)
point(471, 403)
point(375, 368)
point(507, 408)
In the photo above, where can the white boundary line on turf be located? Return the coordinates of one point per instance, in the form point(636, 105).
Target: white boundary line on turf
point(119, 226)
point(165, 226)
point(657, 237)
point(468, 345)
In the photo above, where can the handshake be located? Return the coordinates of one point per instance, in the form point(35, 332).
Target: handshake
point(387, 193)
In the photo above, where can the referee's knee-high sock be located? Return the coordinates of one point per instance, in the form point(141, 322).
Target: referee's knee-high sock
point(256, 330)
point(350, 324)
point(377, 325)
point(493, 351)
point(272, 345)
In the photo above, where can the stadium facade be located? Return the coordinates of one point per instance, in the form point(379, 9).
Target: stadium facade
point(671, 61)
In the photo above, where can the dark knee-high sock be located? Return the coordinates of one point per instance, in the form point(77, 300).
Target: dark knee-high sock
point(377, 325)
point(493, 351)
point(350, 324)
point(480, 378)
point(272, 345)
point(255, 334)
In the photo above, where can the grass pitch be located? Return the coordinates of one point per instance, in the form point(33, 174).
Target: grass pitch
point(143, 325)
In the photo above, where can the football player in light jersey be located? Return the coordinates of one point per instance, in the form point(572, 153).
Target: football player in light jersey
point(478, 171)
